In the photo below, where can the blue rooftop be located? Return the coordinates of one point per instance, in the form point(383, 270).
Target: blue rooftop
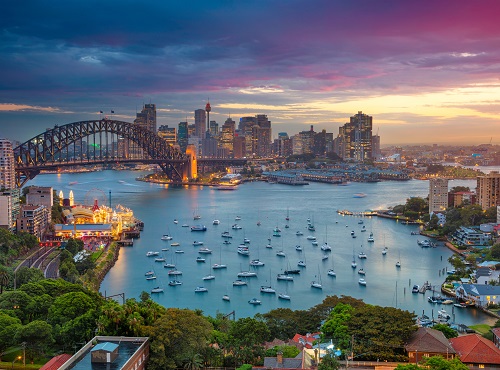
point(105, 346)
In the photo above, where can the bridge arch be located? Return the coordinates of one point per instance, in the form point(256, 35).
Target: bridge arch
point(45, 150)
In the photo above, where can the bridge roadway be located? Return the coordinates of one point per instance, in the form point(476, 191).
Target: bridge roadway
point(41, 260)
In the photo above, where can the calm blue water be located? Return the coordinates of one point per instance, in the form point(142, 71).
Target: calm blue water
point(158, 206)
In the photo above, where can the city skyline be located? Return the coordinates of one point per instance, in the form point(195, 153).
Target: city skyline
point(425, 72)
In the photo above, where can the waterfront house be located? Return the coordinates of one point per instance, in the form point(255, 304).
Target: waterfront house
point(482, 295)
point(484, 275)
point(427, 342)
point(307, 341)
point(476, 352)
point(471, 237)
point(496, 336)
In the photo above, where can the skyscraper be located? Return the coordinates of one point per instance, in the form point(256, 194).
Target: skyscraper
point(7, 166)
point(357, 138)
point(227, 136)
point(168, 133)
point(208, 108)
point(199, 123)
point(145, 119)
point(438, 195)
point(488, 190)
point(182, 136)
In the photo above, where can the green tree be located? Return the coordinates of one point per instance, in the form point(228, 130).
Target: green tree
point(329, 362)
point(495, 251)
point(336, 327)
point(416, 204)
point(471, 215)
point(446, 330)
point(8, 328)
point(26, 275)
point(38, 337)
point(458, 189)
point(69, 306)
point(74, 246)
point(176, 336)
point(286, 351)
point(282, 323)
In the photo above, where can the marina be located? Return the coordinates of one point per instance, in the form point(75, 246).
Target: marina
point(164, 210)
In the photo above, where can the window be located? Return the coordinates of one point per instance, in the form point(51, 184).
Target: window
point(481, 366)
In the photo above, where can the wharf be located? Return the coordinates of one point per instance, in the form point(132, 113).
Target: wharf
point(126, 242)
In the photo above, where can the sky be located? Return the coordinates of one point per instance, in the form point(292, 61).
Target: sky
point(427, 71)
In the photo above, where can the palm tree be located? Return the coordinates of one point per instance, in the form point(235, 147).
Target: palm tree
point(193, 362)
point(4, 278)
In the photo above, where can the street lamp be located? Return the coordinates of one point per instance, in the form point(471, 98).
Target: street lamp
point(16, 359)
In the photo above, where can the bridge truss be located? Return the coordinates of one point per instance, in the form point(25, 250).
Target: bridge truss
point(64, 146)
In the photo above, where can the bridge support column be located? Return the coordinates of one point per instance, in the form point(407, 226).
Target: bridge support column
point(191, 170)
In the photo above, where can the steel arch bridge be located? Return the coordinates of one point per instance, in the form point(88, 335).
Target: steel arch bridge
point(51, 149)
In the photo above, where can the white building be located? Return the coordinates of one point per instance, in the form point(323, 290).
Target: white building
point(488, 190)
point(9, 209)
point(40, 195)
point(438, 195)
point(34, 220)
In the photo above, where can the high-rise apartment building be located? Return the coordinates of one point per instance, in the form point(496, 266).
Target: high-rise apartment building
point(357, 138)
point(7, 165)
point(376, 152)
point(169, 134)
point(488, 190)
point(145, 119)
point(200, 126)
point(40, 195)
point(438, 195)
point(34, 219)
point(227, 136)
point(182, 136)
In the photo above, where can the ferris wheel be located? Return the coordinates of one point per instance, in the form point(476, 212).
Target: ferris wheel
point(94, 196)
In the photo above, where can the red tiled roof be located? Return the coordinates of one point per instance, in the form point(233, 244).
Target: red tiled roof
point(429, 340)
point(56, 362)
point(474, 349)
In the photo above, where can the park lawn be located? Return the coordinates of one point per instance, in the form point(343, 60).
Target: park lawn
point(481, 328)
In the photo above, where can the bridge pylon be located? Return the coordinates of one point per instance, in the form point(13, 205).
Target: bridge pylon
point(191, 169)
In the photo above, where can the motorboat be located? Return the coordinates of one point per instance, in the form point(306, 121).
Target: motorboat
point(226, 234)
point(447, 301)
point(370, 238)
point(276, 234)
point(151, 277)
point(254, 301)
point(225, 297)
point(174, 282)
point(247, 274)
point(360, 222)
point(200, 289)
point(151, 254)
point(256, 263)
point(160, 259)
point(284, 277)
point(363, 229)
point(425, 243)
point(292, 272)
point(311, 228)
point(362, 255)
point(331, 273)
point(218, 266)
point(299, 233)
point(311, 237)
point(415, 289)
point(353, 236)
point(166, 237)
point(284, 296)
point(314, 242)
point(352, 232)
point(325, 257)
point(149, 273)
point(175, 244)
point(384, 251)
point(239, 282)
point(443, 314)
point(175, 272)
point(244, 251)
point(209, 277)
point(269, 246)
point(185, 225)
point(362, 282)
point(246, 241)
point(280, 254)
point(237, 218)
point(460, 305)
point(267, 289)
point(215, 222)
point(298, 248)
point(200, 259)
point(226, 242)
point(199, 228)
point(179, 251)
point(195, 243)
point(354, 264)
point(277, 229)
point(169, 265)
point(236, 227)
point(204, 251)
point(398, 264)
point(157, 290)
point(326, 247)
point(287, 226)
point(165, 249)
point(301, 263)
point(361, 272)
point(175, 221)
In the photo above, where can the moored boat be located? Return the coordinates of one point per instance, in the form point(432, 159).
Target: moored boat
point(254, 301)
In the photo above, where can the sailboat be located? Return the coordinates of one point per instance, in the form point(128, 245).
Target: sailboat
point(398, 264)
point(196, 216)
point(267, 288)
point(220, 265)
point(353, 263)
point(287, 215)
point(331, 272)
point(325, 247)
point(302, 263)
point(317, 283)
point(209, 276)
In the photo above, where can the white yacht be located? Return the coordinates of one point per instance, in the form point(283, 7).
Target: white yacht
point(157, 290)
point(267, 289)
point(166, 237)
point(209, 277)
point(205, 251)
point(200, 289)
point(299, 233)
point(218, 266)
point(331, 273)
point(284, 277)
point(254, 301)
point(247, 274)
point(310, 237)
point(362, 282)
point(316, 284)
point(225, 297)
point(280, 254)
point(174, 282)
point(215, 222)
point(256, 263)
point(195, 243)
point(151, 254)
point(284, 296)
point(239, 282)
point(326, 247)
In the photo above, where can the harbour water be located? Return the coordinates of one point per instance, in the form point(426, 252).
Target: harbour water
point(269, 204)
